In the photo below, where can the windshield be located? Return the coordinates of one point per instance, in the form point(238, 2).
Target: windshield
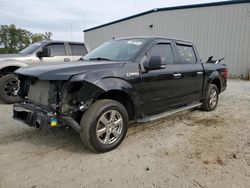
point(30, 49)
point(117, 50)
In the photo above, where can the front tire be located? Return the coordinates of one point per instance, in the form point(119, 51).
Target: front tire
point(104, 125)
point(212, 97)
point(8, 87)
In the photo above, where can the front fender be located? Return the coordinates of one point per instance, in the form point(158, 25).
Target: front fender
point(109, 83)
point(104, 80)
point(12, 63)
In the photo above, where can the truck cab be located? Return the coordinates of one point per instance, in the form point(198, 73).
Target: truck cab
point(54, 51)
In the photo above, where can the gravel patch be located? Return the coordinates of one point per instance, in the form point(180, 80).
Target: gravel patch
point(190, 149)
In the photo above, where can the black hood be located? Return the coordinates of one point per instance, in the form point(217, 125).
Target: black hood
point(64, 71)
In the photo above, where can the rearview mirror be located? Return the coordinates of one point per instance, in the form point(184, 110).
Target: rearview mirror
point(45, 52)
point(156, 62)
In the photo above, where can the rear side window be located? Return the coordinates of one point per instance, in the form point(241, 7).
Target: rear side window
point(163, 50)
point(57, 49)
point(186, 53)
point(78, 49)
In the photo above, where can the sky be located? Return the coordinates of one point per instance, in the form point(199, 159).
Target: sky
point(67, 19)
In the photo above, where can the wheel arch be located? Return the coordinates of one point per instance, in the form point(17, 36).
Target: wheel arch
point(216, 81)
point(122, 97)
point(9, 69)
point(122, 91)
point(213, 78)
point(109, 88)
point(11, 66)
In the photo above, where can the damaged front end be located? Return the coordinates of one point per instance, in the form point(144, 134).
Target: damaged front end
point(53, 103)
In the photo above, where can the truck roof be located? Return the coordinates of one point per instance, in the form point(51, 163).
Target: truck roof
point(154, 38)
point(61, 41)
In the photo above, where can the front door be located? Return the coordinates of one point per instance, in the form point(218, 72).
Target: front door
point(161, 88)
point(57, 54)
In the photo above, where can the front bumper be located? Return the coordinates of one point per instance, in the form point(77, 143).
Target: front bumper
point(34, 116)
point(40, 117)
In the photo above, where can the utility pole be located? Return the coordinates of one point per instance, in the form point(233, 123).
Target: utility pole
point(84, 27)
point(71, 32)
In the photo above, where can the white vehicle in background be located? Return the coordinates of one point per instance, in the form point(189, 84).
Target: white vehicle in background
point(40, 52)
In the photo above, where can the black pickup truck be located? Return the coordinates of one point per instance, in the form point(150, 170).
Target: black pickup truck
point(136, 79)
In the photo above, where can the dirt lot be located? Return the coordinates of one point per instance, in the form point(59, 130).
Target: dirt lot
point(191, 149)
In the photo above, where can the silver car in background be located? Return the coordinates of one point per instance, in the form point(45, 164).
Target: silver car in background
point(40, 52)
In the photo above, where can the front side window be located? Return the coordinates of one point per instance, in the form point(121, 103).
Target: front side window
point(186, 53)
point(31, 48)
point(117, 50)
point(57, 49)
point(164, 51)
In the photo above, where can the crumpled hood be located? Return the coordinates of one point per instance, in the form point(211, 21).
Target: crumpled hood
point(11, 56)
point(64, 71)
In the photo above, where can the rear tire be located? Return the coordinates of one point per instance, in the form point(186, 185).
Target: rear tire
point(104, 125)
point(8, 85)
point(212, 97)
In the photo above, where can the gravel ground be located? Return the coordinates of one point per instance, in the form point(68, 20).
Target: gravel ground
point(190, 149)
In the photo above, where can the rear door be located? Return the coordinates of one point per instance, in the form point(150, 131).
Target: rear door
point(191, 71)
point(77, 50)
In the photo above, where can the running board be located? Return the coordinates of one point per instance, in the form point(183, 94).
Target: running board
point(168, 113)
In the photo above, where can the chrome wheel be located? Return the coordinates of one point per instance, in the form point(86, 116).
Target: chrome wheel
point(213, 98)
point(109, 127)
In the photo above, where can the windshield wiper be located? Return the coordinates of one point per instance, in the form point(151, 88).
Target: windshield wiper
point(100, 58)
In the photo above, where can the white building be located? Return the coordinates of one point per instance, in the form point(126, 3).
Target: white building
point(221, 29)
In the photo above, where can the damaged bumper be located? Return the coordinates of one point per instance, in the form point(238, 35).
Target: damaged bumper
point(34, 116)
point(39, 117)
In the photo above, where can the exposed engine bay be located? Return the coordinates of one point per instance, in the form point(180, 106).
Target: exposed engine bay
point(64, 99)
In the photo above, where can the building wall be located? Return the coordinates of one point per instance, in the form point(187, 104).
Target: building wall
point(221, 31)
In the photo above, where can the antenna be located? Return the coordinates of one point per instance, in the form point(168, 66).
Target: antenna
point(71, 32)
point(84, 27)
point(84, 23)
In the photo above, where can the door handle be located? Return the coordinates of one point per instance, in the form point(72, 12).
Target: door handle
point(177, 75)
point(66, 59)
point(199, 73)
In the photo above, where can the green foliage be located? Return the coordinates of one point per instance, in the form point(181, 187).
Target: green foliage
point(14, 39)
point(37, 37)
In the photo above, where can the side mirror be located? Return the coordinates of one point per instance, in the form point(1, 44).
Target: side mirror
point(155, 63)
point(45, 52)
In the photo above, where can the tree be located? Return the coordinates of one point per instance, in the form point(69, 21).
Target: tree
point(14, 39)
point(37, 37)
point(48, 35)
